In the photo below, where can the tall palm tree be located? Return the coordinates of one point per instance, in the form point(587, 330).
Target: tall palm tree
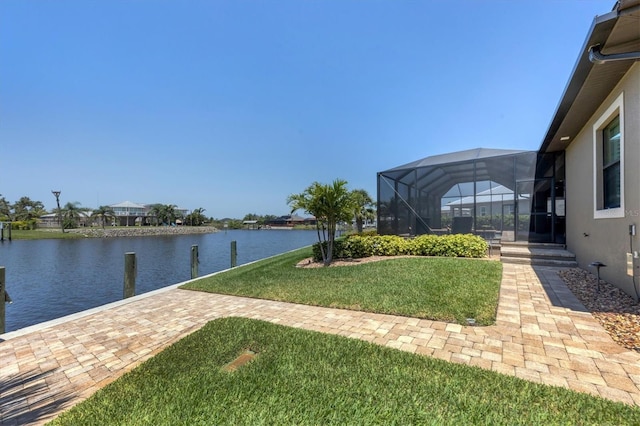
point(363, 207)
point(27, 209)
point(103, 212)
point(164, 213)
point(155, 210)
point(5, 209)
point(71, 214)
point(330, 204)
point(197, 218)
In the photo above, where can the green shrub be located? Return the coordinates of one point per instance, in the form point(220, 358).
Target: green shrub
point(338, 250)
point(24, 225)
point(358, 245)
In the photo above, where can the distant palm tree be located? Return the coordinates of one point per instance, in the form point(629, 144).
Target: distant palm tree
point(71, 214)
point(103, 212)
point(363, 207)
point(5, 209)
point(28, 210)
point(197, 218)
point(164, 213)
point(155, 211)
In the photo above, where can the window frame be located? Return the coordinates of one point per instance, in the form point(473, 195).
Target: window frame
point(616, 109)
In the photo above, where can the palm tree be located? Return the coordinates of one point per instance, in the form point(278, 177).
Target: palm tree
point(103, 212)
point(26, 209)
point(155, 210)
point(5, 210)
point(197, 218)
point(71, 214)
point(330, 204)
point(363, 207)
point(164, 213)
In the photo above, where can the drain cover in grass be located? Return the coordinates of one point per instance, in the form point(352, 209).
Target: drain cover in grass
point(244, 358)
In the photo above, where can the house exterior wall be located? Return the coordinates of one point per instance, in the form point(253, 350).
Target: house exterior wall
point(606, 239)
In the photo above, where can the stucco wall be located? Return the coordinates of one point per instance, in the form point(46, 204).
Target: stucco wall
point(607, 240)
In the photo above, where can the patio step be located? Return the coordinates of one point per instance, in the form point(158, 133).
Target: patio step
point(543, 254)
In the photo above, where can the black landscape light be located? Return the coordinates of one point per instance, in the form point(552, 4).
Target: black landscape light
point(598, 265)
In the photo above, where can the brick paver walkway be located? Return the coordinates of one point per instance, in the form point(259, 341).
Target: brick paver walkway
point(542, 334)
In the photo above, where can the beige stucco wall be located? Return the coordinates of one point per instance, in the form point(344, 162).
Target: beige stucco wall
point(608, 239)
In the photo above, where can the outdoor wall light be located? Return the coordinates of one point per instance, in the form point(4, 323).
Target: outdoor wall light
point(565, 138)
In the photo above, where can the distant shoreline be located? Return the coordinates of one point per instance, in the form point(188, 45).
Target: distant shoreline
point(140, 231)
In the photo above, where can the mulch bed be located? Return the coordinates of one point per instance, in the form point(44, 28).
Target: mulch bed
point(615, 309)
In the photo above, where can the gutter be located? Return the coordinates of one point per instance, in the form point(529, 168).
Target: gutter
point(596, 57)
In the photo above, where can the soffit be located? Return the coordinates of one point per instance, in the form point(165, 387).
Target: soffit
point(590, 83)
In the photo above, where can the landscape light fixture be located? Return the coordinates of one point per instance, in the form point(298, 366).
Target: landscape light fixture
point(57, 195)
point(598, 265)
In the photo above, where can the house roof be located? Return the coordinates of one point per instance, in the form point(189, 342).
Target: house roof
point(615, 32)
point(457, 157)
point(438, 173)
point(128, 204)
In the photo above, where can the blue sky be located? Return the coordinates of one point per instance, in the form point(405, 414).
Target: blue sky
point(233, 105)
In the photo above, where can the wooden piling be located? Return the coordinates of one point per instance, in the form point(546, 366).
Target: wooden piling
point(130, 271)
point(194, 261)
point(234, 254)
point(2, 300)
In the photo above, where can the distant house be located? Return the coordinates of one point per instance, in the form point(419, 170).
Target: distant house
point(128, 213)
point(290, 221)
point(52, 220)
point(250, 224)
point(131, 214)
point(581, 188)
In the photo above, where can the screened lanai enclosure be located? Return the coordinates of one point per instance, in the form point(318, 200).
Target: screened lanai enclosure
point(497, 194)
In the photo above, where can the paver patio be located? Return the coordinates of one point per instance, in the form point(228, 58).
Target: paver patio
point(542, 334)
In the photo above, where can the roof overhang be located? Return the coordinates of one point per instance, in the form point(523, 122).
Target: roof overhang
point(616, 32)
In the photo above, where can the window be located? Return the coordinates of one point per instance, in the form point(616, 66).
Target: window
point(611, 164)
point(483, 210)
point(608, 162)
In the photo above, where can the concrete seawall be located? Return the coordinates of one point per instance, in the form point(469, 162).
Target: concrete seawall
point(136, 231)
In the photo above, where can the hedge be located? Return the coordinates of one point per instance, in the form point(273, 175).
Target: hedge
point(357, 246)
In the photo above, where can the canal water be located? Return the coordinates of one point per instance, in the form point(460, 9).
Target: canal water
point(48, 279)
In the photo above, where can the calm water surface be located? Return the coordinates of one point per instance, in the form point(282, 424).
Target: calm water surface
point(48, 279)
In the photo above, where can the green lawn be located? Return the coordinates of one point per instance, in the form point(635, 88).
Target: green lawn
point(444, 289)
point(308, 378)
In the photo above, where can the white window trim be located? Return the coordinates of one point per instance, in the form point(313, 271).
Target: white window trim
point(616, 108)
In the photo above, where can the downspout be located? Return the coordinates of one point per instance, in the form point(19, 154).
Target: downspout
point(597, 57)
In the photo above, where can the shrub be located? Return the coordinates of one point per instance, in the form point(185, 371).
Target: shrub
point(358, 245)
point(24, 225)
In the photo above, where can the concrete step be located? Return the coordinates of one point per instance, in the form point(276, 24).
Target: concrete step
point(552, 246)
point(539, 262)
point(537, 253)
point(547, 254)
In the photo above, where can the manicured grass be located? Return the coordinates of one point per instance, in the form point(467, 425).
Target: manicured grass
point(302, 377)
point(38, 234)
point(444, 289)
